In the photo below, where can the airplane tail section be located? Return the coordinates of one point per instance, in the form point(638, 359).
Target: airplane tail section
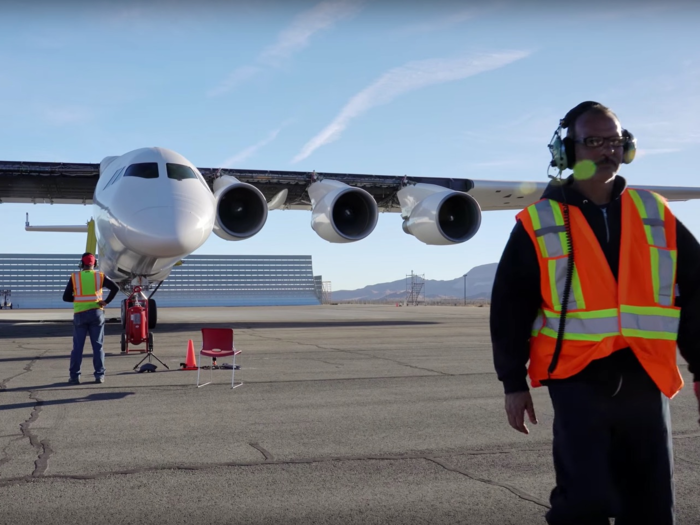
point(91, 244)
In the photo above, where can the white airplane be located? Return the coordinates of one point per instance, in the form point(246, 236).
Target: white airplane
point(152, 207)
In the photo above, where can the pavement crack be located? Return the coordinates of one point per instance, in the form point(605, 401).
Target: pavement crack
point(27, 369)
point(520, 493)
point(43, 447)
point(265, 453)
point(267, 461)
point(352, 352)
point(42, 462)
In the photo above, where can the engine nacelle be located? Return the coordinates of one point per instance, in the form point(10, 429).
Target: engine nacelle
point(241, 209)
point(341, 213)
point(438, 216)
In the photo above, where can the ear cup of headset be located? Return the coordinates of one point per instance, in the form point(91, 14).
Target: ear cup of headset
point(558, 152)
point(630, 149)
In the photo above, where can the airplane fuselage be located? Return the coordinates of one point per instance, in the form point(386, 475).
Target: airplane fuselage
point(152, 208)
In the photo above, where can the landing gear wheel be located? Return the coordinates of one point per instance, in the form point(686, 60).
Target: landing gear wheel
point(123, 342)
point(152, 314)
point(150, 341)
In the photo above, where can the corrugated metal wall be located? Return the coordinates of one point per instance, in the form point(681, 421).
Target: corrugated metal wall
point(38, 280)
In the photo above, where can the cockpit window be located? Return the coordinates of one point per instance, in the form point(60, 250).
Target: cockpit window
point(144, 170)
point(180, 172)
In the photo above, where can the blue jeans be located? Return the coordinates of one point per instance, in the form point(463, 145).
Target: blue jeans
point(89, 322)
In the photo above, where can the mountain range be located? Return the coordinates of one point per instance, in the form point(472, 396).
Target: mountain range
point(479, 282)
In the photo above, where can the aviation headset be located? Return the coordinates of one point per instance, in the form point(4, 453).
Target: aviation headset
point(562, 148)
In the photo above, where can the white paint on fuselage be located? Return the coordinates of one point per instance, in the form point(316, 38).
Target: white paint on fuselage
point(145, 226)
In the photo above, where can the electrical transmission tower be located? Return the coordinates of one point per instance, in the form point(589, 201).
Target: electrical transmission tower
point(415, 288)
point(326, 296)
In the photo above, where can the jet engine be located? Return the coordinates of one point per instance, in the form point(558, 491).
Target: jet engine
point(241, 209)
point(437, 215)
point(341, 213)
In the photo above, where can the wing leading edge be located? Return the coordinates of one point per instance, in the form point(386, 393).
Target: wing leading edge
point(74, 183)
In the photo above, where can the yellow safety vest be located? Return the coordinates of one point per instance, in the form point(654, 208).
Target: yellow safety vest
point(87, 290)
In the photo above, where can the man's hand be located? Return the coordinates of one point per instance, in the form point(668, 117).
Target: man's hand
point(696, 388)
point(102, 303)
point(519, 402)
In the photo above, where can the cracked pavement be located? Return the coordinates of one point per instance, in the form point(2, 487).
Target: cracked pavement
point(348, 414)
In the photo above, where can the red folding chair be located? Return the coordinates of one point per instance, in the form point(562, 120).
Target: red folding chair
point(218, 342)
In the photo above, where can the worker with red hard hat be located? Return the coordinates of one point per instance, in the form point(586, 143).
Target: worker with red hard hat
point(84, 290)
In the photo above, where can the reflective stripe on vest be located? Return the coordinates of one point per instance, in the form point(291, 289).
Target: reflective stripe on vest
point(663, 260)
point(550, 230)
point(649, 322)
point(580, 326)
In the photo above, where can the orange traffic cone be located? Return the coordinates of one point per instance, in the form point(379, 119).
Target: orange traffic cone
point(191, 363)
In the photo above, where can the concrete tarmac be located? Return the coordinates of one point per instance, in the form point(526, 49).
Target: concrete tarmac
point(348, 414)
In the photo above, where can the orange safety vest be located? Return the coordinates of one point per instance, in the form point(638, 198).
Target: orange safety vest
point(603, 315)
point(87, 290)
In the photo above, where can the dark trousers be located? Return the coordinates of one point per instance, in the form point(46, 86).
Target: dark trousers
point(89, 323)
point(613, 453)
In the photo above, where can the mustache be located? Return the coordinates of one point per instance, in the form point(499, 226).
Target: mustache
point(606, 162)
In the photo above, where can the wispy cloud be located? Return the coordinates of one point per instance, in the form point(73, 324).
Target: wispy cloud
point(528, 128)
point(503, 163)
point(671, 103)
point(292, 39)
point(441, 23)
point(62, 116)
point(238, 76)
point(400, 80)
point(242, 155)
point(296, 37)
point(646, 9)
point(656, 151)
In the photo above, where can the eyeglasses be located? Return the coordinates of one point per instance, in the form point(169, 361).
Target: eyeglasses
point(597, 142)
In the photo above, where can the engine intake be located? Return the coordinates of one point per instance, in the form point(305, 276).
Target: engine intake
point(437, 216)
point(340, 212)
point(241, 209)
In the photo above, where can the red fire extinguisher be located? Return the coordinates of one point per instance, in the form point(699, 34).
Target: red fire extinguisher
point(138, 324)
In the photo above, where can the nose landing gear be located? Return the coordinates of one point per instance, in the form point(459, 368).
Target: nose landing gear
point(138, 317)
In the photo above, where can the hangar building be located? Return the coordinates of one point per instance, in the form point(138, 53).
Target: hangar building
point(38, 280)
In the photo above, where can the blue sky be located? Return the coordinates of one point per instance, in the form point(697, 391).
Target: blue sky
point(444, 89)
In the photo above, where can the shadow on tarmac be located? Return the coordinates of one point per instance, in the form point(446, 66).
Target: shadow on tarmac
point(101, 396)
point(36, 329)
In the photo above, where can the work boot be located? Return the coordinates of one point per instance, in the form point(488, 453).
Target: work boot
point(74, 380)
point(99, 379)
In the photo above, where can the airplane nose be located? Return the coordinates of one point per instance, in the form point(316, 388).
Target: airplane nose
point(165, 231)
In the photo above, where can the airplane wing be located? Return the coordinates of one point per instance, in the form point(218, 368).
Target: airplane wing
point(74, 183)
point(47, 182)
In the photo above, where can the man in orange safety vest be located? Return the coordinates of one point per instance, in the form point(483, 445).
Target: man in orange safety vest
point(596, 289)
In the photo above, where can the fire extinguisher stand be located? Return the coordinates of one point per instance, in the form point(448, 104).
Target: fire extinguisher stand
point(136, 329)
